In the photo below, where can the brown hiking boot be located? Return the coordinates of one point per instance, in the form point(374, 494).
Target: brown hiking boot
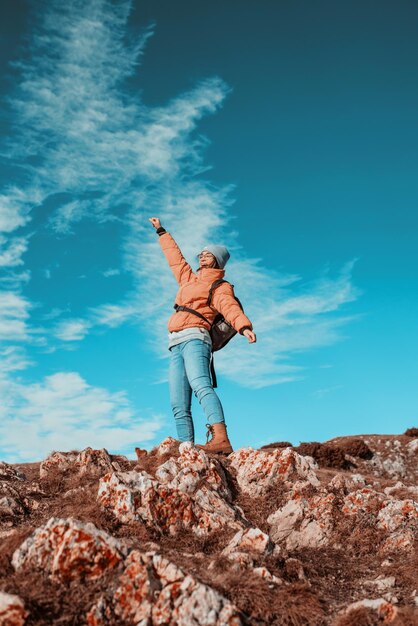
point(219, 444)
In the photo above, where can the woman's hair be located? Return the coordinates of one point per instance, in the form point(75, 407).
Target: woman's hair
point(216, 266)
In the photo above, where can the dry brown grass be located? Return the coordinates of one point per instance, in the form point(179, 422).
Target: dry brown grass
point(326, 455)
point(359, 617)
point(411, 432)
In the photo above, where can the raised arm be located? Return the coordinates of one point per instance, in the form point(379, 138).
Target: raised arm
point(179, 266)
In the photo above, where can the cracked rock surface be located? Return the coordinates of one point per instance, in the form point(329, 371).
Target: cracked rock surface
point(321, 534)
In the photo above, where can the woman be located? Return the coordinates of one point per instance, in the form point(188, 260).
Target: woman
point(190, 342)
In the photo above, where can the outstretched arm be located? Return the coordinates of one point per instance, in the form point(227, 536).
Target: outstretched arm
point(179, 266)
point(225, 302)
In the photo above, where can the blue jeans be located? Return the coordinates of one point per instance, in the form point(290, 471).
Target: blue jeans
point(189, 370)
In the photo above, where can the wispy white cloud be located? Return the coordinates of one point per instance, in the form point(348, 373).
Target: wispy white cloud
point(65, 116)
point(72, 329)
point(12, 359)
point(112, 271)
point(64, 412)
point(11, 251)
point(112, 315)
point(103, 150)
point(14, 209)
point(289, 320)
point(54, 313)
point(97, 147)
point(67, 215)
point(14, 313)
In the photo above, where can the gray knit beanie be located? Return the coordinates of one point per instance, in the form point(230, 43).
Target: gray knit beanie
point(220, 253)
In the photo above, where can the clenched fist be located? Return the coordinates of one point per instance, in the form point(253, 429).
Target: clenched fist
point(155, 222)
point(250, 335)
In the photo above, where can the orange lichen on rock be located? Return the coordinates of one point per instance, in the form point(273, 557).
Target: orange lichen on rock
point(183, 537)
point(152, 590)
point(257, 470)
point(69, 549)
point(190, 492)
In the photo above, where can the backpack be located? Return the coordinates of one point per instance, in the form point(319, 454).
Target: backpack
point(221, 331)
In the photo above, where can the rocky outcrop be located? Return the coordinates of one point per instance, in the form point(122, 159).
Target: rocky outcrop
point(8, 472)
point(88, 461)
point(189, 493)
point(152, 591)
point(394, 457)
point(69, 549)
point(310, 520)
point(257, 470)
point(180, 538)
point(304, 521)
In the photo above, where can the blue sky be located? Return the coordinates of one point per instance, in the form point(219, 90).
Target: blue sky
point(286, 131)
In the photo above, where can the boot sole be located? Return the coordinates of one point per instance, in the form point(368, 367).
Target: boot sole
point(223, 452)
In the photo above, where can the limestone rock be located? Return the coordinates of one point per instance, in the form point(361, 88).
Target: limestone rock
point(251, 540)
point(188, 493)
point(16, 501)
point(94, 462)
point(397, 514)
point(412, 446)
point(153, 591)
point(382, 583)
point(8, 472)
point(265, 574)
point(308, 519)
point(346, 484)
point(400, 519)
point(88, 461)
point(257, 470)
point(12, 610)
point(169, 444)
point(389, 459)
point(352, 529)
point(304, 521)
point(191, 467)
point(12, 506)
point(364, 500)
point(69, 549)
point(402, 541)
point(385, 611)
point(60, 461)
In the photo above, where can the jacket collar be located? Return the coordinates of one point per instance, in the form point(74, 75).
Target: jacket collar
point(210, 274)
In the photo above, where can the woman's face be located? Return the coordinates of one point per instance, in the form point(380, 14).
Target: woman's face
point(206, 259)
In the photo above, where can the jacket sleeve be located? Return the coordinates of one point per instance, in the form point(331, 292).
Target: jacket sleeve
point(224, 301)
point(181, 269)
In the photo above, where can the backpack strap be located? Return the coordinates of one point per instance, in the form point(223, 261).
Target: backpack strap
point(179, 307)
point(212, 372)
point(213, 286)
point(216, 283)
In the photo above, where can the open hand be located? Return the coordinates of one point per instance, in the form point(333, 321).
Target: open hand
point(250, 335)
point(155, 222)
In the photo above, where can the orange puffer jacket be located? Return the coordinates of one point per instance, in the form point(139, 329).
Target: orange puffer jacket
point(194, 290)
